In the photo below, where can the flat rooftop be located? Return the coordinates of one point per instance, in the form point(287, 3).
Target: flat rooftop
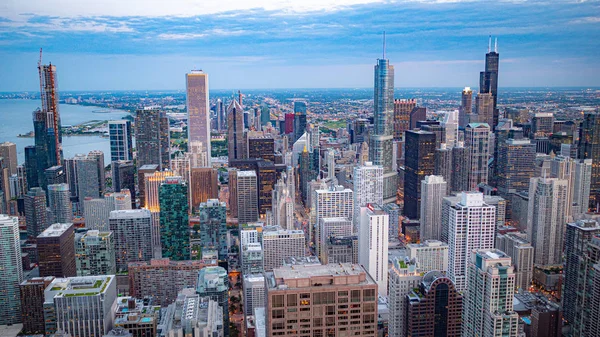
point(55, 230)
point(289, 277)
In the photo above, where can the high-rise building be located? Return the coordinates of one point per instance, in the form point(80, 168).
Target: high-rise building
point(280, 243)
point(460, 164)
point(192, 315)
point(11, 272)
point(123, 177)
point(132, 230)
point(317, 290)
point(520, 250)
point(32, 304)
point(162, 279)
point(247, 203)
point(443, 165)
point(299, 119)
point(261, 147)
point(434, 308)
point(53, 129)
point(548, 209)
point(589, 148)
point(31, 166)
point(433, 191)
point(466, 107)
point(97, 211)
point(198, 110)
point(488, 302)
point(368, 187)
point(8, 151)
point(42, 151)
point(221, 115)
point(81, 306)
point(213, 283)
point(56, 250)
point(174, 226)
point(429, 255)
point(252, 258)
point(542, 124)
point(581, 186)
point(488, 81)
point(36, 216)
point(477, 140)
point(121, 145)
point(484, 109)
point(515, 166)
point(54, 175)
point(582, 253)
point(341, 249)
point(402, 110)
point(403, 277)
point(89, 176)
point(203, 185)
point(59, 199)
point(332, 227)
point(373, 244)
point(470, 224)
point(254, 292)
point(235, 131)
point(419, 162)
point(141, 181)
point(152, 138)
point(95, 253)
point(213, 226)
point(334, 202)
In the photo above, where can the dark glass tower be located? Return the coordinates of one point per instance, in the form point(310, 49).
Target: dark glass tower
point(299, 119)
point(419, 162)
point(174, 227)
point(488, 79)
point(589, 148)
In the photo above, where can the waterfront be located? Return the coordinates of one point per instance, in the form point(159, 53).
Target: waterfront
point(15, 119)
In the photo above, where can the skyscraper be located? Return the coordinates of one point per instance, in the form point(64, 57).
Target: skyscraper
point(56, 250)
point(460, 168)
point(331, 227)
point(213, 226)
point(11, 272)
point(213, 282)
point(589, 148)
point(443, 165)
point(373, 244)
point(59, 199)
point(548, 209)
point(477, 142)
point(198, 110)
point(488, 80)
point(132, 230)
point(402, 110)
point(247, 203)
point(488, 302)
point(31, 166)
point(36, 217)
point(419, 162)
point(521, 252)
point(152, 138)
point(515, 165)
point(120, 140)
point(174, 226)
point(334, 202)
point(368, 187)
point(95, 253)
point(49, 96)
point(8, 151)
point(470, 224)
point(299, 119)
point(235, 131)
point(123, 177)
point(41, 140)
point(433, 191)
point(32, 304)
point(466, 107)
point(280, 243)
point(203, 185)
point(403, 278)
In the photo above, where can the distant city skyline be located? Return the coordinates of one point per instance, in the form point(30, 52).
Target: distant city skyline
point(276, 44)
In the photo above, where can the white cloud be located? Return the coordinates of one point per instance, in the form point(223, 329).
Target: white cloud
point(207, 33)
point(66, 25)
point(588, 19)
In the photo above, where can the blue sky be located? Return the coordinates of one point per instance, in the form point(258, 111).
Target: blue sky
point(150, 44)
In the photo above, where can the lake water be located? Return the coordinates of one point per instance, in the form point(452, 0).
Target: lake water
point(15, 119)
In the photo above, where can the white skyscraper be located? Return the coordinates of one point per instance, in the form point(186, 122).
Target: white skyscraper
point(477, 141)
point(247, 202)
point(97, 211)
point(429, 255)
point(198, 109)
point(433, 191)
point(403, 278)
point(330, 159)
point(254, 292)
point(488, 302)
point(373, 244)
point(520, 251)
point(279, 243)
point(368, 187)
point(329, 227)
point(471, 225)
point(11, 270)
point(59, 200)
point(334, 202)
point(132, 235)
point(548, 207)
point(581, 186)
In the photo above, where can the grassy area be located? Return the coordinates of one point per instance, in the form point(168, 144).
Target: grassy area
point(218, 148)
point(334, 125)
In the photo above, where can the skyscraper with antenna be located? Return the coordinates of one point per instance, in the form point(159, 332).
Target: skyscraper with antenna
point(488, 79)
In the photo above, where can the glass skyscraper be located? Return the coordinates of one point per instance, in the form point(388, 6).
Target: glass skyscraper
point(174, 227)
point(198, 110)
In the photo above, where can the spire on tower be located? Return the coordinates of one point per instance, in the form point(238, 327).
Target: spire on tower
point(496, 46)
point(490, 44)
point(384, 44)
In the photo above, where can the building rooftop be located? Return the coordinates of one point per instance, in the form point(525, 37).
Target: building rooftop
point(130, 214)
point(212, 278)
point(301, 260)
point(246, 174)
point(288, 277)
point(79, 286)
point(55, 230)
point(427, 244)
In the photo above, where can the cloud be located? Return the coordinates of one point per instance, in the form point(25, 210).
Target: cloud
point(207, 33)
point(588, 19)
point(28, 24)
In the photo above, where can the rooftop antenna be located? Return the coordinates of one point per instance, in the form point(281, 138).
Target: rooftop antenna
point(40, 61)
point(490, 44)
point(496, 46)
point(384, 44)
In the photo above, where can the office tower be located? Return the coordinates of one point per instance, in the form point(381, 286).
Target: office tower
point(515, 166)
point(213, 226)
point(582, 252)
point(89, 173)
point(121, 145)
point(221, 115)
point(11, 272)
point(254, 292)
point(393, 210)
point(203, 185)
point(368, 187)
point(403, 277)
point(488, 81)
point(589, 148)
point(488, 302)
point(289, 124)
point(192, 315)
point(373, 244)
point(252, 258)
point(174, 226)
point(247, 203)
point(95, 253)
point(470, 224)
point(546, 319)
point(31, 166)
point(581, 186)
point(267, 174)
point(261, 147)
point(428, 255)
point(54, 175)
point(213, 283)
point(59, 199)
point(484, 109)
point(132, 230)
point(332, 227)
point(36, 216)
point(235, 131)
point(152, 183)
point(433, 191)
point(542, 124)
point(466, 107)
point(198, 110)
point(477, 143)
point(8, 151)
point(49, 96)
point(123, 177)
point(520, 251)
point(152, 138)
point(141, 181)
point(341, 249)
point(42, 151)
point(280, 243)
point(443, 165)
point(309, 288)
point(547, 215)
point(97, 211)
point(299, 119)
point(419, 162)
point(32, 304)
point(460, 164)
point(434, 308)
point(402, 110)
point(334, 202)
point(162, 279)
point(56, 250)
point(82, 305)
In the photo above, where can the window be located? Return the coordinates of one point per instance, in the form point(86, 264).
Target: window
point(277, 313)
point(277, 301)
point(292, 300)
